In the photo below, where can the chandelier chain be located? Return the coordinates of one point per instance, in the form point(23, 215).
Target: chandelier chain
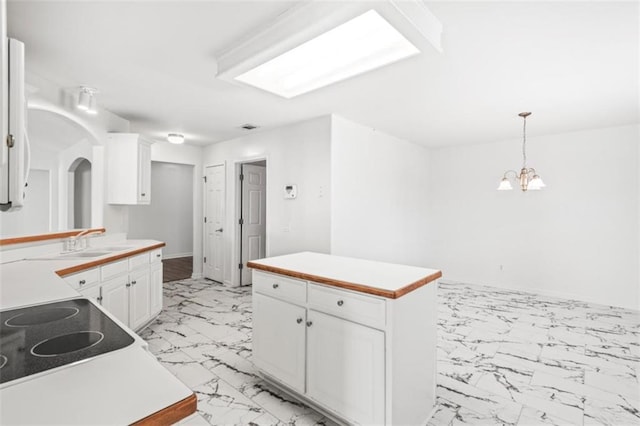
point(524, 143)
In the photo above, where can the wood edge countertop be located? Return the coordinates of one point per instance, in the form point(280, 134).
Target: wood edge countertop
point(88, 265)
point(171, 414)
point(362, 288)
point(44, 237)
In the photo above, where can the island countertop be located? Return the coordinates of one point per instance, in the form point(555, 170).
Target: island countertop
point(366, 276)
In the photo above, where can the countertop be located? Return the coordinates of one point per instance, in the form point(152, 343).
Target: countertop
point(120, 387)
point(36, 280)
point(366, 276)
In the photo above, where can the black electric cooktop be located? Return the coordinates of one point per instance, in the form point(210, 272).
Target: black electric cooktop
point(39, 338)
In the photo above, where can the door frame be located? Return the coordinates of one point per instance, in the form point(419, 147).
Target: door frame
point(236, 246)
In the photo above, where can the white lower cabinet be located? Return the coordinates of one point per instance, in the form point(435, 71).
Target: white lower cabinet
point(139, 298)
point(130, 289)
point(115, 297)
point(345, 367)
point(93, 293)
point(279, 339)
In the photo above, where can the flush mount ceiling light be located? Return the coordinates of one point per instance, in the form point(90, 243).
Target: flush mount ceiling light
point(300, 52)
point(528, 179)
point(87, 100)
point(176, 138)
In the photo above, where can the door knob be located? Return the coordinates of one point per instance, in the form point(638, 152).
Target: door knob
point(219, 230)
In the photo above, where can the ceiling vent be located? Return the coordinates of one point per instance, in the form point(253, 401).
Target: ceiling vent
point(249, 126)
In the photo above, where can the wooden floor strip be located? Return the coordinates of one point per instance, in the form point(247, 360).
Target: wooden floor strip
point(179, 268)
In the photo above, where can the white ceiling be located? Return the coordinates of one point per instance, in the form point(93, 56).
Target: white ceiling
point(574, 64)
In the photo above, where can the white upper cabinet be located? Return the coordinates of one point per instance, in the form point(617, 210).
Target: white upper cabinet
point(128, 169)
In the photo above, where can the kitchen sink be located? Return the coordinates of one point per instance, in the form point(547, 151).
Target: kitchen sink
point(86, 254)
point(119, 248)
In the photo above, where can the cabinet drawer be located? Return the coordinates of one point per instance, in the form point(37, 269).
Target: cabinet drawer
point(113, 269)
point(156, 256)
point(83, 279)
point(139, 261)
point(359, 308)
point(280, 287)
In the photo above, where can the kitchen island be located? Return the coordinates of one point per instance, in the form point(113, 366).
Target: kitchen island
point(123, 386)
point(356, 339)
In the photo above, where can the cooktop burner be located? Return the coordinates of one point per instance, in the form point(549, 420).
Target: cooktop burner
point(67, 343)
point(39, 338)
point(41, 316)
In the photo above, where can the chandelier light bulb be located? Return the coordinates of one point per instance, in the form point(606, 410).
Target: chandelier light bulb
point(505, 185)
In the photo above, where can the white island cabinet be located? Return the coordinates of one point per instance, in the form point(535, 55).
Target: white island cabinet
point(356, 339)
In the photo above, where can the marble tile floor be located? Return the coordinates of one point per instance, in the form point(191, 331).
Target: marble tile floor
point(504, 357)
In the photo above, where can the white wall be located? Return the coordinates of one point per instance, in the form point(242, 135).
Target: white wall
point(296, 154)
point(577, 238)
point(169, 217)
point(379, 196)
point(33, 217)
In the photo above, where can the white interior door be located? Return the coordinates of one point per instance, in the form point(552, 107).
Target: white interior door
point(214, 219)
point(254, 216)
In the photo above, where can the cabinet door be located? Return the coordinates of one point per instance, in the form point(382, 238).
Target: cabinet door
point(156, 288)
point(92, 293)
point(139, 298)
point(115, 297)
point(144, 173)
point(345, 367)
point(279, 340)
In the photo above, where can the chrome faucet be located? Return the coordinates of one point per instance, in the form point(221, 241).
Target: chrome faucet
point(80, 240)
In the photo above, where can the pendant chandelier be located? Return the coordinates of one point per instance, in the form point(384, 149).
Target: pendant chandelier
point(527, 179)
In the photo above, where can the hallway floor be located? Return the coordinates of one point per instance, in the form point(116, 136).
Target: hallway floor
point(179, 268)
point(504, 357)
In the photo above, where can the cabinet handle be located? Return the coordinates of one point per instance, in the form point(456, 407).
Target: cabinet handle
point(340, 302)
point(82, 282)
point(143, 194)
point(133, 282)
point(299, 320)
point(276, 285)
point(309, 323)
point(158, 255)
point(99, 299)
point(128, 284)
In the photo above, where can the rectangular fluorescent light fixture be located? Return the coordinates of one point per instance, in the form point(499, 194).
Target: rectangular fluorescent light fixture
point(362, 44)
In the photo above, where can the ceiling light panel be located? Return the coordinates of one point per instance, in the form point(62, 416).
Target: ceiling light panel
point(362, 44)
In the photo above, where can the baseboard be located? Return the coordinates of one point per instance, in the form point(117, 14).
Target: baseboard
point(198, 275)
point(177, 255)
